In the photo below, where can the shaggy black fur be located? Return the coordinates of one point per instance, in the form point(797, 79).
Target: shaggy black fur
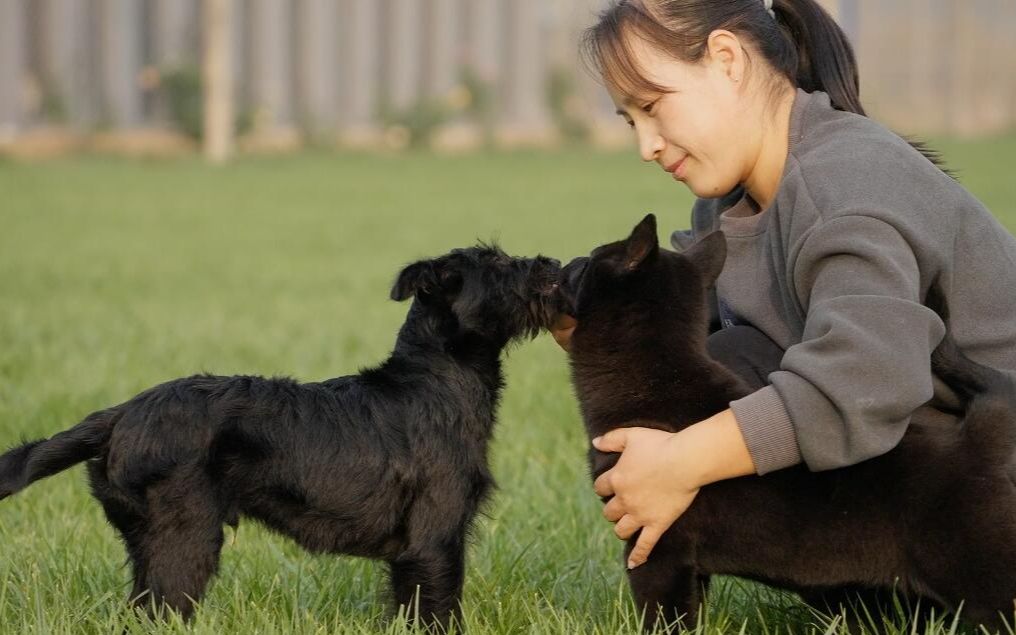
point(389, 464)
point(935, 518)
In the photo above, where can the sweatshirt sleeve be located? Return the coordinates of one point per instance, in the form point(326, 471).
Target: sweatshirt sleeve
point(845, 393)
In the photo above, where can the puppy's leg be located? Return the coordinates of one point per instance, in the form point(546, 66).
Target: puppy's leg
point(179, 544)
point(428, 582)
point(127, 517)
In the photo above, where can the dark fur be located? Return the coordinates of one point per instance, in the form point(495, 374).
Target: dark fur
point(935, 518)
point(389, 464)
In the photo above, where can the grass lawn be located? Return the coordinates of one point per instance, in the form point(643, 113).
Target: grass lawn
point(117, 275)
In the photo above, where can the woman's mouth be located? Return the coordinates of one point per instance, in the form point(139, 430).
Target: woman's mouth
point(676, 169)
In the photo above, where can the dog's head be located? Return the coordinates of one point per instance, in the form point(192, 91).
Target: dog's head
point(633, 282)
point(481, 291)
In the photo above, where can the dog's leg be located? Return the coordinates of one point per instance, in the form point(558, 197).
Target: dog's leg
point(666, 590)
point(180, 543)
point(428, 582)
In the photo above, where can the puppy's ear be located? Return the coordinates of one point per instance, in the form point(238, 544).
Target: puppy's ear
point(643, 243)
point(417, 278)
point(708, 256)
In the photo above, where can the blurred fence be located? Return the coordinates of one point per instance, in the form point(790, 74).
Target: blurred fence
point(455, 72)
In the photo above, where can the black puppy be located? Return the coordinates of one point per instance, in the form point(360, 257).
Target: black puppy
point(390, 463)
point(935, 518)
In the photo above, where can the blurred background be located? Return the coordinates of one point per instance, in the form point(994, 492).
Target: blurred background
point(453, 75)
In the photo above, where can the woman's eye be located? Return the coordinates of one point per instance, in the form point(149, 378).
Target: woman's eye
point(648, 108)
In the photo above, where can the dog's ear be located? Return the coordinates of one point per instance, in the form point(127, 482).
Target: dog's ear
point(414, 279)
point(643, 243)
point(708, 256)
point(427, 280)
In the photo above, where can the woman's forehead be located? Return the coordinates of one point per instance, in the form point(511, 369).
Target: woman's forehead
point(634, 69)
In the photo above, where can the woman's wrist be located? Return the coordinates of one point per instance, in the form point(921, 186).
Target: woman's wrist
point(712, 450)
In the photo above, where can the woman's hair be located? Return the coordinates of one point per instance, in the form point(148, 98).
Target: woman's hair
point(799, 40)
point(802, 42)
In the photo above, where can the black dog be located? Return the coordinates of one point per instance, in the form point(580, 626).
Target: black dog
point(390, 463)
point(935, 518)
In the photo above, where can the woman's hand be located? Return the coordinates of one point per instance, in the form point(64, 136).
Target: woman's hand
point(562, 330)
point(659, 474)
point(650, 490)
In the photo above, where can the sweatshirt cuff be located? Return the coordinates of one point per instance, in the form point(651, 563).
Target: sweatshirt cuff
point(767, 430)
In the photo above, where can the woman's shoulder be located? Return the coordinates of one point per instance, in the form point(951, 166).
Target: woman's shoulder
point(825, 136)
point(847, 161)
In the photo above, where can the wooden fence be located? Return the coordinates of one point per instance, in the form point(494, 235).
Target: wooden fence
point(364, 71)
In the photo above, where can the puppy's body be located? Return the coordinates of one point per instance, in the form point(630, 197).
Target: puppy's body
point(390, 463)
point(934, 518)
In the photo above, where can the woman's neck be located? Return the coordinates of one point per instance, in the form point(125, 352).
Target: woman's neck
point(764, 179)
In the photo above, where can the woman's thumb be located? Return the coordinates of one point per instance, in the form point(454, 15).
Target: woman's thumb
point(612, 441)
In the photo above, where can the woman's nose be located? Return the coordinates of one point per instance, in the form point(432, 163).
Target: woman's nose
point(650, 145)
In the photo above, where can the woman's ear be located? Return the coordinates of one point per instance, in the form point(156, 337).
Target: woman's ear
point(725, 52)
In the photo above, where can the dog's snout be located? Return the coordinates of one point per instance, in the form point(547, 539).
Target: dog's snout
point(572, 272)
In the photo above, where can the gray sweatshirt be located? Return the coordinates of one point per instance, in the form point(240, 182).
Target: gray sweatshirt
point(836, 271)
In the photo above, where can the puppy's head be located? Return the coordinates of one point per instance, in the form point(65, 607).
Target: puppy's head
point(484, 292)
point(631, 281)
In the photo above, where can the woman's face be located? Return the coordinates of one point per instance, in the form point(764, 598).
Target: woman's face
point(697, 131)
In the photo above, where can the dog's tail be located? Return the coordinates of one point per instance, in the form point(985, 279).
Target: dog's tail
point(988, 397)
point(27, 463)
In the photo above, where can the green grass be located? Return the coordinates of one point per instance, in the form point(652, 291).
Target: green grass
point(117, 275)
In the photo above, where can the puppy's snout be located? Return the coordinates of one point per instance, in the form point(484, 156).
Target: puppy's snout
point(546, 272)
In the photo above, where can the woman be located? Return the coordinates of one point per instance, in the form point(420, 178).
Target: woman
point(836, 229)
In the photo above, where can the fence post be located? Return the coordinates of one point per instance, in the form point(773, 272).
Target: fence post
point(68, 60)
point(524, 119)
point(217, 79)
point(359, 97)
point(403, 23)
point(270, 64)
point(176, 30)
point(316, 64)
point(120, 44)
point(12, 67)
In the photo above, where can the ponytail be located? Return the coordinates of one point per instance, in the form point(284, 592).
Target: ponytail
point(825, 59)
